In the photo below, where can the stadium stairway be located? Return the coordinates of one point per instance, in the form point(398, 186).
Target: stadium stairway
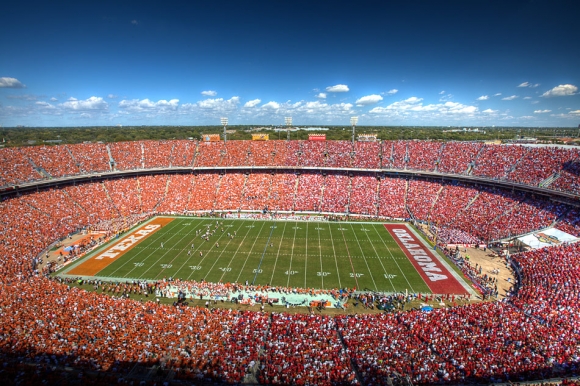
point(548, 181)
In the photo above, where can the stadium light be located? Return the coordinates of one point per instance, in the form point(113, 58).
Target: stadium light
point(288, 121)
point(353, 122)
point(224, 124)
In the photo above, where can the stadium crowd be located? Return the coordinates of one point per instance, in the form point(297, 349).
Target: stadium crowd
point(533, 334)
point(550, 167)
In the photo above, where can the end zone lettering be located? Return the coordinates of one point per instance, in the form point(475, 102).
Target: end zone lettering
point(420, 255)
point(128, 242)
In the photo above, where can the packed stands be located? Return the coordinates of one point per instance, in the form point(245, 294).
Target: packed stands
point(236, 153)
point(179, 190)
point(204, 190)
point(336, 193)
point(533, 334)
point(256, 192)
point(151, 191)
point(282, 191)
point(309, 193)
point(451, 200)
point(458, 156)
point(366, 155)
point(182, 153)
point(312, 153)
point(292, 150)
point(54, 160)
point(127, 155)
point(305, 350)
point(338, 154)
point(209, 154)
point(421, 197)
point(261, 153)
point(424, 155)
point(16, 168)
point(363, 195)
point(125, 195)
point(395, 154)
point(392, 198)
point(91, 157)
point(539, 164)
point(496, 161)
point(231, 190)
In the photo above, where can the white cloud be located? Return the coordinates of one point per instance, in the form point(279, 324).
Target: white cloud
point(338, 88)
point(489, 111)
point(561, 90)
point(53, 99)
point(542, 111)
point(526, 98)
point(483, 98)
point(442, 92)
point(92, 103)
point(392, 92)
point(148, 106)
point(321, 95)
point(210, 93)
point(253, 103)
point(527, 117)
point(414, 105)
point(528, 84)
point(510, 98)
point(369, 100)
point(498, 94)
point(7, 82)
point(271, 105)
point(219, 103)
point(134, 22)
point(111, 96)
point(575, 112)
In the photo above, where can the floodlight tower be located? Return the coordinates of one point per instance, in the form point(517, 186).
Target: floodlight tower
point(353, 122)
point(288, 121)
point(224, 124)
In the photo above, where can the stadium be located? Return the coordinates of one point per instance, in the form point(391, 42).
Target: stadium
point(340, 195)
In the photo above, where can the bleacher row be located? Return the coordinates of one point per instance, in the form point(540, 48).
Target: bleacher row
point(535, 334)
point(464, 214)
point(549, 167)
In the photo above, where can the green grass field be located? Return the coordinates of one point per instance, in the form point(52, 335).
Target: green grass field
point(279, 253)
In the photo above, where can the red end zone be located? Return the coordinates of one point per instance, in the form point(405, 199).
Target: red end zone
point(437, 277)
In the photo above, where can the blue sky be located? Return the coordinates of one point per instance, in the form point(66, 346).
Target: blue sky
point(437, 63)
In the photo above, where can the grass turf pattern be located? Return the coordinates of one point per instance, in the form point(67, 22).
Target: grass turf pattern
point(319, 255)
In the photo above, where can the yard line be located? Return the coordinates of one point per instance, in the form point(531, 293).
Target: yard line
point(349, 259)
point(395, 260)
point(305, 257)
point(173, 224)
point(224, 249)
point(320, 255)
point(292, 254)
point(245, 261)
point(278, 253)
point(364, 258)
point(382, 265)
point(264, 252)
point(334, 253)
point(207, 254)
point(158, 260)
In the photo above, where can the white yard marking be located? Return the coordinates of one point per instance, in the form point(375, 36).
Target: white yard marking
point(395, 260)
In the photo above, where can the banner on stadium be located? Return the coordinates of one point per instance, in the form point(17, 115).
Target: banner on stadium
point(317, 137)
point(211, 137)
point(367, 137)
point(260, 137)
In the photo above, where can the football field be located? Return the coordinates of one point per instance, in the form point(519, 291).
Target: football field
point(320, 255)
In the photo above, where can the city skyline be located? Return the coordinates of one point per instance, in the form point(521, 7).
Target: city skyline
point(450, 63)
